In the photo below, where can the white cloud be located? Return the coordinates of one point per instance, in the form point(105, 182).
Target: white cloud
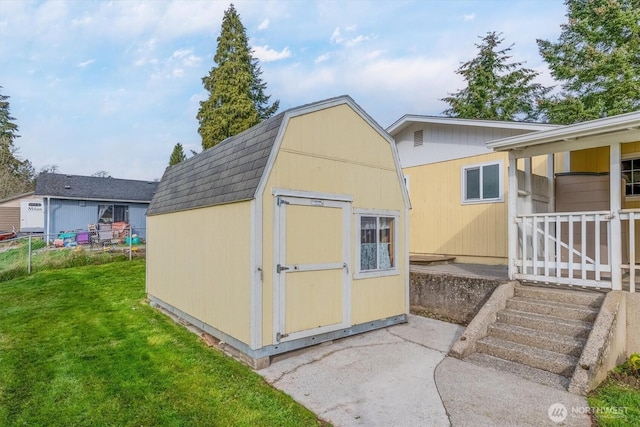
point(322, 58)
point(178, 72)
point(86, 63)
point(266, 54)
point(469, 17)
point(263, 25)
point(337, 38)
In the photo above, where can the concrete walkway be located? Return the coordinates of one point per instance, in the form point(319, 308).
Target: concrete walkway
point(400, 376)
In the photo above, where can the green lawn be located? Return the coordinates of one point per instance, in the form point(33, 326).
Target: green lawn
point(81, 346)
point(616, 402)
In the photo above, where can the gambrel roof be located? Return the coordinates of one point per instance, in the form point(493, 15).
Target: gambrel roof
point(232, 170)
point(227, 172)
point(62, 186)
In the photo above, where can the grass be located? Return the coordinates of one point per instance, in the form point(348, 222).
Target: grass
point(82, 347)
point(616, 402)
point(14, 258)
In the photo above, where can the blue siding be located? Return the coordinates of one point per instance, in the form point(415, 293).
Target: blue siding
point(67, 215)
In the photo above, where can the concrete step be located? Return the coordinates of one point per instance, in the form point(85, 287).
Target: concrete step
point(556, 309)
point(572, 328)
point(573, 296)
point(523, 371)
point(539, 339)
point(546, 360)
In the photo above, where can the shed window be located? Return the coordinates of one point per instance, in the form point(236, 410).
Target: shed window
point(113, 213)
point(377, 249)
point(482, 183)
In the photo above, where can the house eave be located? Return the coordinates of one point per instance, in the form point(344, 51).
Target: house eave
point(92, 199)
point(626, 125)
point(409, 119)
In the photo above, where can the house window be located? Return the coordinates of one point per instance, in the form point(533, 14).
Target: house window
point(482, 183)
point(378, 242)
point(631, 175)
point(113, 213)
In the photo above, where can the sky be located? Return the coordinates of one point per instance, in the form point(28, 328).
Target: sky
point(114, 85)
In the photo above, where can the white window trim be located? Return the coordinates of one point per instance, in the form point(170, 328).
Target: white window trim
point(629, 156)
point(463, 183)
point(393, 271)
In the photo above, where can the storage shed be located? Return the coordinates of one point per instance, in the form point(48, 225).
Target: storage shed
point(289, 234)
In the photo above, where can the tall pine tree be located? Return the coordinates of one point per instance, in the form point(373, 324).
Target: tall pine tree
point(496, 88)
point(16, 175)
point(596, 59)
point(237, 98)
point(177, 155)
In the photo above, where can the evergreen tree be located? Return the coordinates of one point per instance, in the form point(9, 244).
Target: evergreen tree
point(16, 175)
point(237, 98)
point(597, 60)
point(177, 155)
point(496, 89)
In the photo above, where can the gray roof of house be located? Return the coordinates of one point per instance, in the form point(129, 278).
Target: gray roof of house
point(63, 186)
point(227, 172)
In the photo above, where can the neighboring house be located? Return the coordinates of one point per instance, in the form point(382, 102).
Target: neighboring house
point(73, 202)
point(457, 185)
point(590, 236)
point(292, 233)
point(10, 211)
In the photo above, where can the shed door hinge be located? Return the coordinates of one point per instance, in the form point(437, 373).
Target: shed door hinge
point(280, 268)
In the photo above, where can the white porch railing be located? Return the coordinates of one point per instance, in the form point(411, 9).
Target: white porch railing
point(565, 248)
point(630, 256)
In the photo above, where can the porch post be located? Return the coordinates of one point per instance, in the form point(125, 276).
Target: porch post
point(512, 235)
point(615, 200)
point(551, 206)
point(528, 186)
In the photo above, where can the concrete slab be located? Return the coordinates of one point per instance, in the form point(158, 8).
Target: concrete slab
point(380, 378)
point(481, 396)
point(401, 376)
point(499, 272)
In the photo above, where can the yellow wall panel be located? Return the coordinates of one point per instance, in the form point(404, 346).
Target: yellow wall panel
point(182, 270)
point(367, 296)
point(441, 224)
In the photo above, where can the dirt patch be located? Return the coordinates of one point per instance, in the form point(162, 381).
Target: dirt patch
point(628, 380)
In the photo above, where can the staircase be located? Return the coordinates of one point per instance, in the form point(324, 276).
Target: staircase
point(540, 334)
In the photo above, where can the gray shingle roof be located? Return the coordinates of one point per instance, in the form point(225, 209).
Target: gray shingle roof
point(228, 172)
point(90, 187)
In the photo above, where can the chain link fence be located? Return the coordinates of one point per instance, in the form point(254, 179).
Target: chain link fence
point(24, 255)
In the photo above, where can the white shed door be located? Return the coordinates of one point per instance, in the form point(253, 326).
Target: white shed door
point(312, 254)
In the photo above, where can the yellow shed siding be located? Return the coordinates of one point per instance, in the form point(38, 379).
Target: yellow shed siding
point(442, 224)
point(182, 271)
point(334, 151)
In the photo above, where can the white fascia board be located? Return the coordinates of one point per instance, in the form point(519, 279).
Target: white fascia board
point(409, 119)
point(629, 122)
point(93, 199)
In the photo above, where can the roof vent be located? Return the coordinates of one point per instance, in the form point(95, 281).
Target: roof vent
point(67, 187)
point(418, 138)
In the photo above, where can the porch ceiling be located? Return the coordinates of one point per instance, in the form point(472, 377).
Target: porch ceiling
point(595, 133)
